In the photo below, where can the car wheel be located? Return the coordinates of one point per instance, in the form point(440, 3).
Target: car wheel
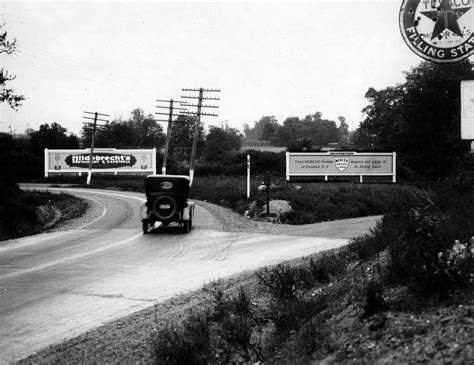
point(186, 226)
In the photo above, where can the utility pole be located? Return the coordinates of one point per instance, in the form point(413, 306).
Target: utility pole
point(198, 115)
point(94, 129)
point(170, 115)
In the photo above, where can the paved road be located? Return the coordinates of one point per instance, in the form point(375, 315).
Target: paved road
point(57, 285)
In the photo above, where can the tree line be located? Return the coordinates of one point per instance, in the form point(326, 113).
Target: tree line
point(309, 133)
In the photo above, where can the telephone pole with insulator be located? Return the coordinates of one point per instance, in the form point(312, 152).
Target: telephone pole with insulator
point(97, 117)
point(171, 108)
point(198, 115)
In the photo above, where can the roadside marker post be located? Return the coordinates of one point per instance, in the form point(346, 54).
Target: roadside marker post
point(267, 181)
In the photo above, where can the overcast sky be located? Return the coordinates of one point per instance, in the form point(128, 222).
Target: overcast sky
point(268, 58)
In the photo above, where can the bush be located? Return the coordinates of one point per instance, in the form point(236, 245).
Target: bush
point(283, 281)
point(324, 268)
point(373, 295)
point(287, 282)
point(222, 332)
point(367, 246)
point(422, 254)
point(289, 314)
point(188, 344)
point(419, 233)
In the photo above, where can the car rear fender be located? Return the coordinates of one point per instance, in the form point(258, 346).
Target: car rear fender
point(188, 212)
point(143, 211)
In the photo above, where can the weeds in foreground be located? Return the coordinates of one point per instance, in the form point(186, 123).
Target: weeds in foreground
point(230, 330)
point(188, 343)
point(287, 282)
point(324, 269)
point(373, 295)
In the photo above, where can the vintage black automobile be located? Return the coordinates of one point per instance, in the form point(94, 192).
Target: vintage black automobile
point(167, 202)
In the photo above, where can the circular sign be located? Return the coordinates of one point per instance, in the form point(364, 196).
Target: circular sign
point(438, 30)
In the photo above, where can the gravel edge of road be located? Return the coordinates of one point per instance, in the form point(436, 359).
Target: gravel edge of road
point(231, 221)
point(94, 211)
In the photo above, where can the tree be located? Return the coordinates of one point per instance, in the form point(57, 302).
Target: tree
point(420, 118)
point(361, 140)
point(182, 135)
point(220, 141)
point(263, 129)
point(7, 94)
point(248, 132)
point(54, 136)
point(312, 132)
point(148, 132)
point(343, 131)
point(283, 135)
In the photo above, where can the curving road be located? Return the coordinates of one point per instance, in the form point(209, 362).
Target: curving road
point(54, 286)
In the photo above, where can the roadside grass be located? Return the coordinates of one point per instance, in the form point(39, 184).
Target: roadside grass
point(311, 202)
point(25, 213)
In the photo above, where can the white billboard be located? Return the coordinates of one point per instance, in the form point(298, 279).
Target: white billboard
point(467, 109)
point(340, 163)
point(105, 160)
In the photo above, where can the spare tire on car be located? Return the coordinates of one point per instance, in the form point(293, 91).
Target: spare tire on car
point(165, 207)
